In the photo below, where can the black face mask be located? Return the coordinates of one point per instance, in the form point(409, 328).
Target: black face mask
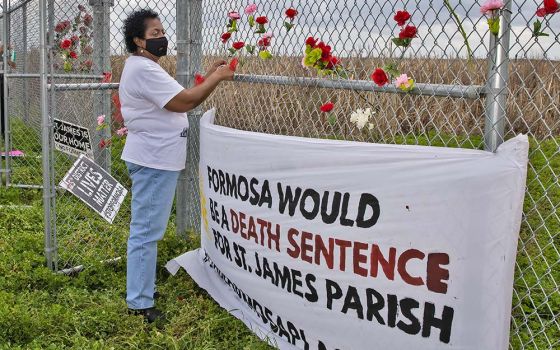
point(157, 46)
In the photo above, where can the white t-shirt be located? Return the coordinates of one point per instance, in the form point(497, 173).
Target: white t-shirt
point(157, 138)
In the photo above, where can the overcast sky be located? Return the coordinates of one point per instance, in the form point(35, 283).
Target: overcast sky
point(351, 27)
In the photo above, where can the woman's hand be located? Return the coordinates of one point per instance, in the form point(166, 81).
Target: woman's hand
point(224, 73)
point(215, 66)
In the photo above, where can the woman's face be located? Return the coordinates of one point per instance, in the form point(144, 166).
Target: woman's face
point(154, 30)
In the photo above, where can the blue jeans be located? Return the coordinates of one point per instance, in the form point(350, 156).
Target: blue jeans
point(153, 191)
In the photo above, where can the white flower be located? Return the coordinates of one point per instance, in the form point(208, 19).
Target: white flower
point(360, 117)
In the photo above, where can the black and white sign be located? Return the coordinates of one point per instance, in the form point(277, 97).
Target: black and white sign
point(95, 187)
point(72, 139)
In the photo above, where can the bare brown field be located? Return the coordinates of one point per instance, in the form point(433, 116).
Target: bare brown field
point(532, 107)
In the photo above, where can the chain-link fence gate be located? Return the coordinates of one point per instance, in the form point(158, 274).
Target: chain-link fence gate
point(511, 85)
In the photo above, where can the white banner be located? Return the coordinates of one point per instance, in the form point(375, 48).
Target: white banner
point(320, 244)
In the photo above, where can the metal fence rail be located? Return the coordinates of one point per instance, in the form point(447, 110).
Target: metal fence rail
point(511, 85)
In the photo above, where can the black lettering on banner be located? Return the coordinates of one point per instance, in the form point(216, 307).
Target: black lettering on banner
point(282, 328)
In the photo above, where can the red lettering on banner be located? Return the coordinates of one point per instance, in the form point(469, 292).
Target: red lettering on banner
point(367, 259)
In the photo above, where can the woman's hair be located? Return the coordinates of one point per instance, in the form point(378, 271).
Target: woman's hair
point(135, 27)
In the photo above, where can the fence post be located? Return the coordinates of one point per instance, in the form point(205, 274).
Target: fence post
point(25, 92)
point(102, 63)
point(46, 128)
point(189, 57)
point(7, 133)
point(496, 83)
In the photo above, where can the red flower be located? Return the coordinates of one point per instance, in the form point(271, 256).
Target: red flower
point(233, 64)
point(88, 19)
point(311, 41)
point(88, 63)
point(549, 7)
point(332, 62)
point(327, 107)
point(401, 17)
point(198, 79)
point(117, 115)
point(291, 13)
point(326, 49)
point(65, 44)
point(88, 50)
point(75, 39)
point(379, 77)
point(261, 20)
point(104, 143)
point(107, 77)
point(60, 27)
point(73, 55)
point(225, 37)
point(408, 32)
point(238, 45)
point(264, 42)
point(81, 8)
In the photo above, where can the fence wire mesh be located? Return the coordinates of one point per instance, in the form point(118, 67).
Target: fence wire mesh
point(360, 34)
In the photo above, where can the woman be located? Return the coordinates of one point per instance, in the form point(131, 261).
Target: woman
point(154, 108)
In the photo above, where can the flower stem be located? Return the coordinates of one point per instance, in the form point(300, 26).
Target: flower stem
point(461, 29)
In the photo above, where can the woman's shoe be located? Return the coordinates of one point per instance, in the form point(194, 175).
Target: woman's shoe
point(150, 314)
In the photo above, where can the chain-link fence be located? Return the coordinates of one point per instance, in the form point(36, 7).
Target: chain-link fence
point(458, 102)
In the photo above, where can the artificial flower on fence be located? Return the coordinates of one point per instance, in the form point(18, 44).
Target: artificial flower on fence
point(493, 9)
point(318, 55)
point(390, 72)
point(119, 137)
point(327, 108)
point(548, 8)
point(72, 48)
point(361, 118)
point(259, 45)
point(291, 14)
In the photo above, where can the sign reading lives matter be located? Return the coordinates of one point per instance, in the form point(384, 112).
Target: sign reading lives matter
point(95, 187)
point(331, 245)
point(72, 139)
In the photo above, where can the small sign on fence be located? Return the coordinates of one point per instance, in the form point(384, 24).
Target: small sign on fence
point(95, 187)
point(72, 139)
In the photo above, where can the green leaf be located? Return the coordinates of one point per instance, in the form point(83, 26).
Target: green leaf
point(332, 119)
point(250, 48)
point(391, 69)
point(67, 66)
point(288, 26)
point(402, 42)
point(308, 49)
point(265, 55)
point(261, 29)
point(232, 50)
point(537, 26)
point(251, 21)
point(494, 25)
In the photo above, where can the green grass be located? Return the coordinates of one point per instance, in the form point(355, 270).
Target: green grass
point(41, 310)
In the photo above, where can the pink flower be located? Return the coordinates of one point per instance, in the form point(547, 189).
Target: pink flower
point(402, 80)
point(303, 62)
point(267, 35)
point(122, 131)
point(491, 5)
point(234, 15)
point(250, 9)
point(101, 120)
